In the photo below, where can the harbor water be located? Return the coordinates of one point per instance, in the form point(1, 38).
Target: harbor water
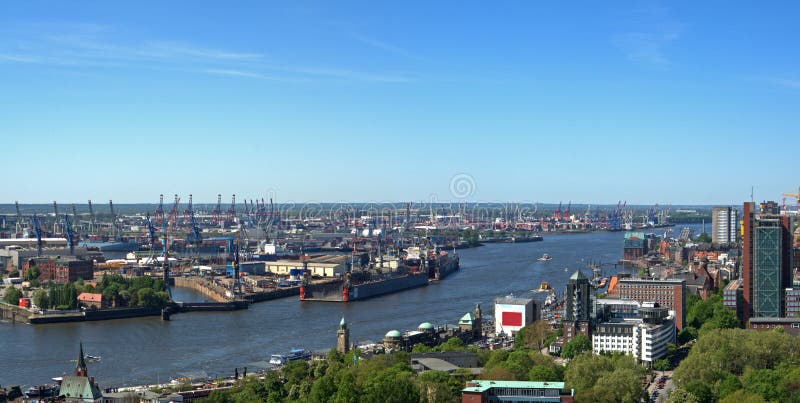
point(149, 350)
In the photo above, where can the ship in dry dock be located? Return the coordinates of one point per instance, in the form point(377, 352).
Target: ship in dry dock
point(385, 275)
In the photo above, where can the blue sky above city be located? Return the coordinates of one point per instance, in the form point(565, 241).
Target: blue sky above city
point(594, 102)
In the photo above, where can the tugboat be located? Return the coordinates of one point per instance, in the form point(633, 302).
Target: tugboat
point(545, 257)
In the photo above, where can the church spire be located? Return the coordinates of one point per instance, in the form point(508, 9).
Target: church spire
point(80, 369)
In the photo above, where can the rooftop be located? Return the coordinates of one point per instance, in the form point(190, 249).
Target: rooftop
point(480, 386)
point(510, 300)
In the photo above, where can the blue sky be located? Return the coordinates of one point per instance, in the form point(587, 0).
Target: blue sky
point(674, 102)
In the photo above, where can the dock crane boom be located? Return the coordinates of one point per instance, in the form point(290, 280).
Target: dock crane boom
point(231, 212)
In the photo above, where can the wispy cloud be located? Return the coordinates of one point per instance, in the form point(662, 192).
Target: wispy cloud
point(651, 32)
point(81, 45)
point(785, 81)
point(388, 47)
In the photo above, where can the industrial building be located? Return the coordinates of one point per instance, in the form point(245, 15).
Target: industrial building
point(766, 260)
point(320, 266)
point(14, 253)
point(724, 225)
point(512, 314)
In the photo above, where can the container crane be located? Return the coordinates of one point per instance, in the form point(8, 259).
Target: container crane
point(70, 235)
point(173, 213)
point(159, 214)
point(189, 210)
point(217, 210)
point(231, 212)
point(557, 213)
point(566, 212)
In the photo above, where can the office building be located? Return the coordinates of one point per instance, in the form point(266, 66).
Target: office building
point(766, 260)
point(512, 314)
point(579, 298)
point(645, 337)
point(670, 294)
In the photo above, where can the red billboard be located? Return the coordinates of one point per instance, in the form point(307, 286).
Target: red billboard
point(512, 319)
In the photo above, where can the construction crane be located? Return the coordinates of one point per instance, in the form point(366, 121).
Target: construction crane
point(795, 196)
point(91, 218)
point(38, 231)
point(70, 235)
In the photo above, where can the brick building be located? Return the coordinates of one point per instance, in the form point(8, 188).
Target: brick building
point(60, 270)
point(667, 293)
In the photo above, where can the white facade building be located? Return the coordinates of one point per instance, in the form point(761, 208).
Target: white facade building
point(512, 314)
point(645, 337)
point(724, 224)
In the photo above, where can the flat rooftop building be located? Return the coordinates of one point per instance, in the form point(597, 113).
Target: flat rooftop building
point(480, 391)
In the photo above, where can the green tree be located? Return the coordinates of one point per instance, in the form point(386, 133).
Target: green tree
point(661, 365)
point(41, 299)
point(13, 295)
point(533, 335)
point(390, 386)
point(577, 345)
point(681, 396)
point(542, 373)
point(33, 273)
point(743, 396)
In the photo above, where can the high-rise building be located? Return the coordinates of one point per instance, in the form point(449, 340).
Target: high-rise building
point(579, 291)
point(724, 224)
point(766, 260)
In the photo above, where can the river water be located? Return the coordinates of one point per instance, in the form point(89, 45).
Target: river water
point(148, 350)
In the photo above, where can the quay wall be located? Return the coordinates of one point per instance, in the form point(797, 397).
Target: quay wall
point(14, 313)
point(202, 286)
